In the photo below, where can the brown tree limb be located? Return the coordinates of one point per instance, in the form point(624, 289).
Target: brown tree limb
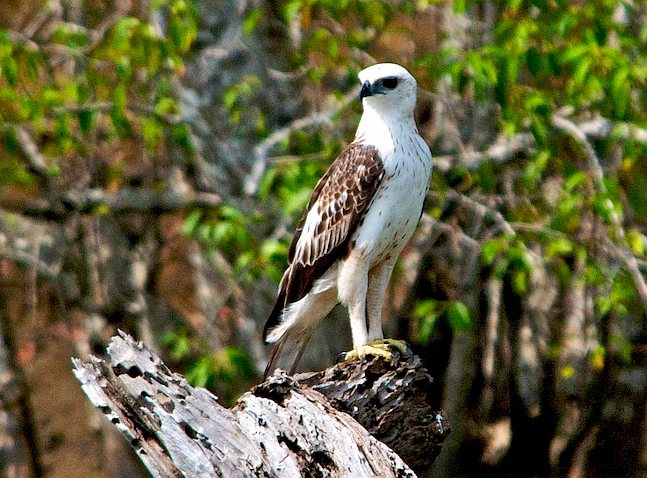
point(17, 394)
point(286, 426)
point(126, 199)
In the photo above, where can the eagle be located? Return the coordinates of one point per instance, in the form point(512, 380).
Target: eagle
point(361, 214)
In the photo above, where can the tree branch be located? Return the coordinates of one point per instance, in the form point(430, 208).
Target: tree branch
point(126, 199)
point(505, 149)
point(29, 150)
point(264, 147)
point(283, 427)
point(631, 264)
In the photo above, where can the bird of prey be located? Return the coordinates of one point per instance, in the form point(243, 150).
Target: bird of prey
point(361, 214)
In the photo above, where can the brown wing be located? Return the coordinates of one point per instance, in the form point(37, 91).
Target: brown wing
point(337, 205)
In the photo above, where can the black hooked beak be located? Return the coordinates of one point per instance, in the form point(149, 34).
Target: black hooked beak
point(365, 91)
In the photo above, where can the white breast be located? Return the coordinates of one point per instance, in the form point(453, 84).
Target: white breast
point(393, 216)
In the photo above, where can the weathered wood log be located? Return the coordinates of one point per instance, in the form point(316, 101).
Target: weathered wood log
point(284, 427)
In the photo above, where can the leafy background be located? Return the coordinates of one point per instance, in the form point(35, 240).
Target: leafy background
point(156, 156)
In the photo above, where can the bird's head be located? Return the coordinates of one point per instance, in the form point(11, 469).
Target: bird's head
point(388, 87)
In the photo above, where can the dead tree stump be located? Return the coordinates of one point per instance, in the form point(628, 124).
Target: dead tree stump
point(335, 423)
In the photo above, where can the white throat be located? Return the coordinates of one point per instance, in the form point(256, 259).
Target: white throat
point(379, 128)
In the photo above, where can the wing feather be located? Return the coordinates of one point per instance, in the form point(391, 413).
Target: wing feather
point(336, 207)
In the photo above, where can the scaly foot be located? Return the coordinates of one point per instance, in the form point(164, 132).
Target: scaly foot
point(388, 349)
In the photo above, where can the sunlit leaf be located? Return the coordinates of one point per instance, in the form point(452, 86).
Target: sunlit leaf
point(459, 317)
point(191, 222)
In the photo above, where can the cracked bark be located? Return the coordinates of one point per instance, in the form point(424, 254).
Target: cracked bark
point(314, 424)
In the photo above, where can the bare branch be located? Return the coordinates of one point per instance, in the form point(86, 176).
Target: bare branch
point(126, 199)
point(287, 426)
point(601, 128)
point(505, 149)
point(104, 106)
point(574, 131)
point(29, 150)
point(482, 210)
point(264, 147)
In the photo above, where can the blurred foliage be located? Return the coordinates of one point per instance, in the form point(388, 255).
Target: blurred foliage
point(81, 92)
point(80, 89)
point(99, 102)
point(430, 311)
point(543, 57)
point(227, 372)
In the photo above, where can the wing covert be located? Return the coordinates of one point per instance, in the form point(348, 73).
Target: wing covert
point(338, 203)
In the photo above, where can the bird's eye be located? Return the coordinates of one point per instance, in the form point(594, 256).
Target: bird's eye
point(390, 82)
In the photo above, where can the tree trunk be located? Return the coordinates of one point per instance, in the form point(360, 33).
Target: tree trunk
point(286, 426)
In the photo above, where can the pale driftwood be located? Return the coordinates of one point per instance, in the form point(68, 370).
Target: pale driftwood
point(284, 427)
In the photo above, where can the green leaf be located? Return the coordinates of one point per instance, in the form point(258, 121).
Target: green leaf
point(153, 132)
point(166, 105)
point(539, 129)
point(533, 60)
point(459, 317)
point(274, 250)
point(620, 90)
point(520, 281)
point(191, 222)
point(230, 213)
point(637, 242)
point(10, 69)
point(491, 250)
point(201, 372)
point(605, 207)
point(598, 357)
point(181, 134)
point(118, 110)
point(123, 67)
point(581, 70)
point(119, 99)
point(533, 172)
point(291, 8)
point(69, 37)
point(297, 201)
point(252, 18)
point(122, 32)
point(520, 258)
point(10, 140)
point(428, 313)
point(559, 247)
point(87, 120)
point(575, 53)
point(576, 179)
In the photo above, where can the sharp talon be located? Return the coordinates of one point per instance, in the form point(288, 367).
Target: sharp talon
point(341, 357)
